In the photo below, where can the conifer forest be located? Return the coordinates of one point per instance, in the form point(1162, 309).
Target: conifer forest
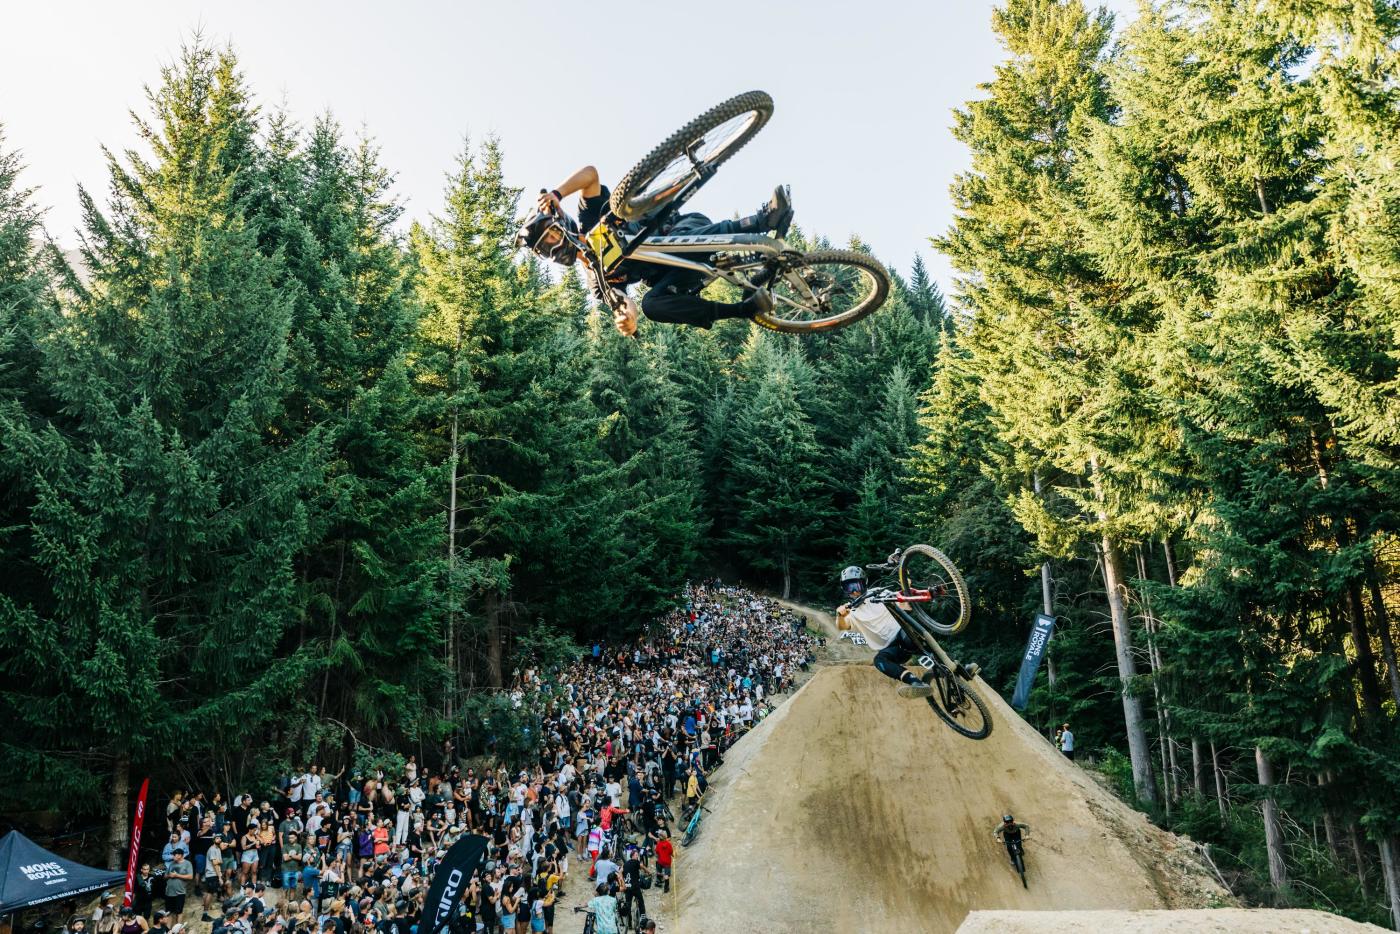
point(282, 468)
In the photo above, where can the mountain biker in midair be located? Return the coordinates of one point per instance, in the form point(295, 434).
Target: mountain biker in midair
point(882, 632)
point(674, 295)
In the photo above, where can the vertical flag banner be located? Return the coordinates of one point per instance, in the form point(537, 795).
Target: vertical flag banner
point(450, 881)
point(1030, 661)
point(131, 860)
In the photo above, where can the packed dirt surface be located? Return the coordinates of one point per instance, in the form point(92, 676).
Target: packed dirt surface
point(1222, 921)
point(850, 808)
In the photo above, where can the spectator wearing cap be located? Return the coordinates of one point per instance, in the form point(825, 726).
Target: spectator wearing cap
point(105, 915)
point(177, 884)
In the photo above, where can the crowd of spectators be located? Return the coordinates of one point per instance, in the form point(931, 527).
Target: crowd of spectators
point(624, 730)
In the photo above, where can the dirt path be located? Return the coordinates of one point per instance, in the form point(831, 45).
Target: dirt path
point(849, 808)
point(1220, 921)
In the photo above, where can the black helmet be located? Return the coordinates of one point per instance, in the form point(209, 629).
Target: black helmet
point(853, 580)
point(1007, 818)
point(551, 236)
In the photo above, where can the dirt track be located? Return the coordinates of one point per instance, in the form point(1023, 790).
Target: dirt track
point(1221, 921)
point(851, 809)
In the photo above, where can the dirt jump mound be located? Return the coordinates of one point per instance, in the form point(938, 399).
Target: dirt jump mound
point(851, 809)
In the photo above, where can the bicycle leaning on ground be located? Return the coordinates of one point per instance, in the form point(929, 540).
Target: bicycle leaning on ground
point(692, 827)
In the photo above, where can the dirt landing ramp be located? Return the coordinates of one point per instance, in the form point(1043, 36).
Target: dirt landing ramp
point(1222, 921)
point(851, 809)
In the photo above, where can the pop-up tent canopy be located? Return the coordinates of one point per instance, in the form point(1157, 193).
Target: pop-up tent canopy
point(31, 875)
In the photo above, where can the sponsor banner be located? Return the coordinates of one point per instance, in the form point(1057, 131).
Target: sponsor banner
point(450, 881)
point(1030, 662)
point(131, 859)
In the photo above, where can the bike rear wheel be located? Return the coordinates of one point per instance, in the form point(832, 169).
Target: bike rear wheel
point(925, 568)
point(959, 706)
point(1020, 862)
point(824, 290)
point(699, 146)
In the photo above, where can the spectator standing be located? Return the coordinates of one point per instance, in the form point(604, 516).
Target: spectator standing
point(1067, 742)
point(177, 883)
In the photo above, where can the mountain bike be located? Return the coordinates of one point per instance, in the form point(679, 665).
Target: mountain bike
point(1016, 849)
point(590, 918)
point(692, 829)
point(931, 598)
point(817, 290)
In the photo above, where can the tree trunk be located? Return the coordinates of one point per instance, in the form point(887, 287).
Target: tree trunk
point(787, 577)
point(1164, 717)
point(1391, 873)
point(1329, 822)
point(495, 642)
point(1171, 562)
point(1222, 790)
point(1365, 658)
point(1046, 594)
point(1273, 830)
point(1361, 641)
point(1382, 618)
point(1355, 835)
point(119, 820)
point(449, 654)
point(1139, 750)
point(1047, 597)
point(1198, 768)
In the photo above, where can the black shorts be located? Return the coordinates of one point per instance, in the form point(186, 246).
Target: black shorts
point(175, 904)
point(212, 885)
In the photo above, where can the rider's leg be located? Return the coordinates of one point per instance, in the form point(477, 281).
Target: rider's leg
point(890, 661)
point(674, 299)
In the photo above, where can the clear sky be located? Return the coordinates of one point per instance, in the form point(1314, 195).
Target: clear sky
point(864, 92)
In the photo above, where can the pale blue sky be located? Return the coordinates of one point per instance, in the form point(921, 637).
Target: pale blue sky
point(864, 92)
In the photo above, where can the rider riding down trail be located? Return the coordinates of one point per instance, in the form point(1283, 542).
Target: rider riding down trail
point(673, 296)
point(1009, 831)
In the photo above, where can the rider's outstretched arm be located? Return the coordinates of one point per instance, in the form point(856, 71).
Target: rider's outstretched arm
point(585, 180)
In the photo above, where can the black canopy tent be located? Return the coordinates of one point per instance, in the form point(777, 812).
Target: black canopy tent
point(30, 875)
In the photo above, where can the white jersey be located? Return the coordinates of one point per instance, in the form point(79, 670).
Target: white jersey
point(876, 623)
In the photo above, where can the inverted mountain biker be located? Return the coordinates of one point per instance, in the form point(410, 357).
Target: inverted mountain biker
point(674, 297)
point(882, 632)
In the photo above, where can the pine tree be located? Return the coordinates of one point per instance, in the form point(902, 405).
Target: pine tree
point(167, 515)
point(781, 486)
point(1049, 338)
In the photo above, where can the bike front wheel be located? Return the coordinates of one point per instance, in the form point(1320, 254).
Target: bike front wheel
point(959, 706)
point(925, 571)
point(824, 290)
point(696, 148)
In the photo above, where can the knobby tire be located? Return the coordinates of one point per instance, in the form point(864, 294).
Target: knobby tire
point(631, 200)
point(822, 319)
point(950, 576)
point(945, 685)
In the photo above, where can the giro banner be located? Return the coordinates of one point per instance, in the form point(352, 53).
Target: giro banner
point(1030, 661)
point(450, 881)
point(136, 823)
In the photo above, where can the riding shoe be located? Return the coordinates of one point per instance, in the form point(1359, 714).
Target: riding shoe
point(967, 672)
point(759, 303)
point(918, 689)
point(776, 215)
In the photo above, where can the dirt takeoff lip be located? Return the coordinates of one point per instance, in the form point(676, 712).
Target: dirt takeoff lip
point(850, 808)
